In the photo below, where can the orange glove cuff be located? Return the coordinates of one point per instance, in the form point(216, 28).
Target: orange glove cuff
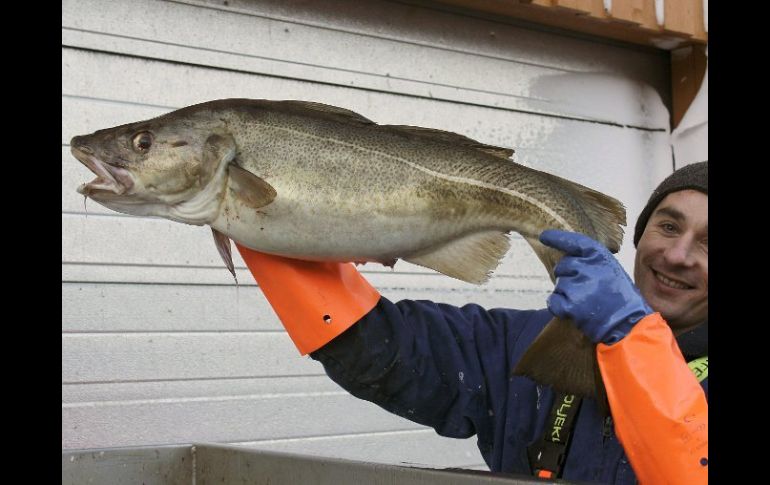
point(659, 408)
point(315, 301)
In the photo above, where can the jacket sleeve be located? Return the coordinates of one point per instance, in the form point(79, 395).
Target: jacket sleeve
point(659, 408)
point(435, 364)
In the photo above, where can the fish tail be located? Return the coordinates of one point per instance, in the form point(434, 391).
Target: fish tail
point(606, 215)
point(564, 358)
point(601, 217)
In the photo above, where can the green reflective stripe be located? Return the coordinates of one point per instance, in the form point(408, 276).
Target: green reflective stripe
point(700, 367)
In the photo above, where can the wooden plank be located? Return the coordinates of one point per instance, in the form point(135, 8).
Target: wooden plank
point(685, 17)
point(639, 12)
point(547, 13)
point(594, 8)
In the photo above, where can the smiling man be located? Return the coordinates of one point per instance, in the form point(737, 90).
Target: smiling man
point(671, 265)
point(450, 367)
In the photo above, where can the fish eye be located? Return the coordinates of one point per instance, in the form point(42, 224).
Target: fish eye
point(142, 141)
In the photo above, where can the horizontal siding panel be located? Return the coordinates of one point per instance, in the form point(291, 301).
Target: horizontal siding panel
point(164, 308)
point(92, 394)
point(165, 356)
point(89, 307)
point(382, 278)
point(457, 32)
point(87, 108)
point(241, 418)
point(262, 45)
point(517, 78)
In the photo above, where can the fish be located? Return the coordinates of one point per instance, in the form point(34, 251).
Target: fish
point(311, 181)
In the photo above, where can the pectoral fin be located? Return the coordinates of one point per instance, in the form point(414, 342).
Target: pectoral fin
point(471, 258)
point(249, 189)
point(223, 246)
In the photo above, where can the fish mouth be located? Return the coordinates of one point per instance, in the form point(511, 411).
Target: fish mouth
point(109, 179)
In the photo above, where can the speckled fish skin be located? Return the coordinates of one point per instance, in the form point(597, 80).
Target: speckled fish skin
point(346, 188)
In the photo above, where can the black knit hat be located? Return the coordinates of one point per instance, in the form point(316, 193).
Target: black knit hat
point(694, 176)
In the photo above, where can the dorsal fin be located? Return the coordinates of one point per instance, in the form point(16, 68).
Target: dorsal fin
point(332, 112)
point(449, 137)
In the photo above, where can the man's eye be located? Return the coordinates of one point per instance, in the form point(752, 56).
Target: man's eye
point(668, 227)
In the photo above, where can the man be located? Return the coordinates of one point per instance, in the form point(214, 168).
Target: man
point(449, 367)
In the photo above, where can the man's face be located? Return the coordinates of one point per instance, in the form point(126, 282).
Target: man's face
point(671, 268)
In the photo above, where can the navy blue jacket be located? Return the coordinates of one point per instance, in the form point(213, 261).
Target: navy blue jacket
point(450, 368)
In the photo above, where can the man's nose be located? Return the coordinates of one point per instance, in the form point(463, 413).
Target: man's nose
point(681, 251)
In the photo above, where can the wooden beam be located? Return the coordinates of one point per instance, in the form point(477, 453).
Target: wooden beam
point(631, 21)
point(639, 12)
point(688, 67)
point(684, 17)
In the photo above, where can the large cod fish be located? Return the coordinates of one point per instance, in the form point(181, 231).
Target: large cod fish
point(317, 182)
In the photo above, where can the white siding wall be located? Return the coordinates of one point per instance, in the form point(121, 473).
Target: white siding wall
point(159, 346)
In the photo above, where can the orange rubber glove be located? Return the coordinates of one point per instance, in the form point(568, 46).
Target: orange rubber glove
point(659, 408)
point(315, 301)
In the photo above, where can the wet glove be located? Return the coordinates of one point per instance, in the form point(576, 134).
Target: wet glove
point(593, 289)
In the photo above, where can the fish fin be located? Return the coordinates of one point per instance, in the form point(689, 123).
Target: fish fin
point(334, 113)
point(223, 246)
point(251, 190)
point(548, 256)
point(471, 258)
point(500, 152)
point(450, 137)
point(606, 213)
point(564, 358)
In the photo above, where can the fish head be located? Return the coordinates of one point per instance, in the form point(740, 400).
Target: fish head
point(149, 167)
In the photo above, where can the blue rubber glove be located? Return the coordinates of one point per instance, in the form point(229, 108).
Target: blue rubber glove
point(593, 289)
